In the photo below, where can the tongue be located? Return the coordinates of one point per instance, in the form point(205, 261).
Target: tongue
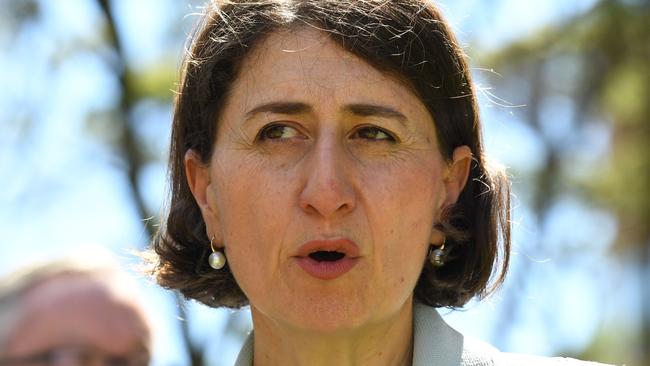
point(324, 256)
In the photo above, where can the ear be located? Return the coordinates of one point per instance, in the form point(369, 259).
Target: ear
point(200, 183)
point(454, 181)
point(457, 174)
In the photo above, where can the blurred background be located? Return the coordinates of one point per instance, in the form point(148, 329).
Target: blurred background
point(85, 110)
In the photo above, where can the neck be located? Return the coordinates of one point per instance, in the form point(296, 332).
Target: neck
point(387, 342)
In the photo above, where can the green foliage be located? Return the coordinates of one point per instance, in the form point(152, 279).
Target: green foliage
point(611, 45)
point(155, 82)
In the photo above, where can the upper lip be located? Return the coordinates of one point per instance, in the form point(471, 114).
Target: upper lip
point(342, 245)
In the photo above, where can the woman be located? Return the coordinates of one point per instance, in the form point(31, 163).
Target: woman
point(327, 170)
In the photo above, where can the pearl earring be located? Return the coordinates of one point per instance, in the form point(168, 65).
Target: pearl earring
point(217, 259)
point(437, 256)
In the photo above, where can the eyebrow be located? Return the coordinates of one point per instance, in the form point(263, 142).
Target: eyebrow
point(369, 110)
point(280, 108)
point(359, 109)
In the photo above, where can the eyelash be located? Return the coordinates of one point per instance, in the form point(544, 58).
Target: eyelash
point(376, 130)
point(262, 135)
point(389, 137)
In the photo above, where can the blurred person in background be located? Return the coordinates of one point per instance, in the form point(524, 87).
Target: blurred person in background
point(327, 169)
point(80, 310)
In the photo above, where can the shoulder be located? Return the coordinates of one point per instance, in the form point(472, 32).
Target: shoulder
point(436, 343)
point(519, 359)
point(477, 353)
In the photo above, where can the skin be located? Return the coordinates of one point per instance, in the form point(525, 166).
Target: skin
point(324, 161)
point(80, 310)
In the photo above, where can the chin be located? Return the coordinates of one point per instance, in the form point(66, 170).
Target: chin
point(327, 315)
point(328, 321)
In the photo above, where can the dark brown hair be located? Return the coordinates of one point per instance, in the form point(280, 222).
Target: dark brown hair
point(407, 39)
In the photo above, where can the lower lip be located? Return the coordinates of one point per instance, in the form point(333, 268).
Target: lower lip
point(327, 270)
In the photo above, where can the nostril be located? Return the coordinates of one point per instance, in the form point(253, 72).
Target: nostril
point(325, 256)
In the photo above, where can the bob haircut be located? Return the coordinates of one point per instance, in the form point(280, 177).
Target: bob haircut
point(407, 39)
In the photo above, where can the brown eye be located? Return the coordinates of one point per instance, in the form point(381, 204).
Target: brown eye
point(374, 134)
point(277, 132)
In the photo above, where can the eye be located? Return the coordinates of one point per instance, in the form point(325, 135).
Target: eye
point(374, 134)
point(277, 132)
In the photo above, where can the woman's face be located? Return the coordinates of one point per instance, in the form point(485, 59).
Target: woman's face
point(323, 186)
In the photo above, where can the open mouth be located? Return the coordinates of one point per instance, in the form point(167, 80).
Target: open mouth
point(326, 256)
point(328, 259)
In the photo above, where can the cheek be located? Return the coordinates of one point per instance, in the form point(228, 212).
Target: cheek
point(245, 205)
point(406, 194)
point(402, 207)
point(254, 216)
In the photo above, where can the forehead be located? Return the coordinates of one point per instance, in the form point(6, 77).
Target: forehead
point(304, 62)
point(78, 310)
point(299, 43)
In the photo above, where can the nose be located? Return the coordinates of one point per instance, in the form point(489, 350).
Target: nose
point(328, 189)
